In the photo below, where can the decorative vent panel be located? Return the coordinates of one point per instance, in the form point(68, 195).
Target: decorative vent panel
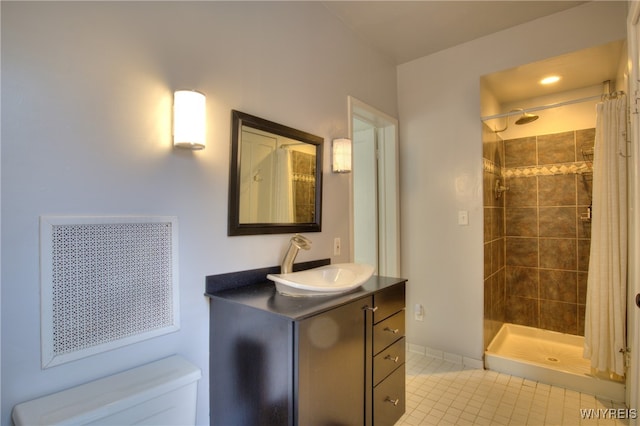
point(106, 282)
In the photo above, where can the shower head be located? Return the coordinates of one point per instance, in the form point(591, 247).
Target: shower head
point(526, 118)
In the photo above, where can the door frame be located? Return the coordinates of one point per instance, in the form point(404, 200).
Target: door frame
point(633, 284)
point(389, 185)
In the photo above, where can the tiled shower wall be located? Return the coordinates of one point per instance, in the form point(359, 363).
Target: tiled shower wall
point(546, 237)
point(304, 186)
point(536, 240)
point(494, 237)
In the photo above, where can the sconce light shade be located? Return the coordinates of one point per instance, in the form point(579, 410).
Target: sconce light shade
point(189, 113)
point(341, 152)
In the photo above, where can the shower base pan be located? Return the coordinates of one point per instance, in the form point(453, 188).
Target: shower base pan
point(548, 357)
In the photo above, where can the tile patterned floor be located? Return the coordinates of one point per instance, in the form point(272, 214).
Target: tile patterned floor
point(441, 392)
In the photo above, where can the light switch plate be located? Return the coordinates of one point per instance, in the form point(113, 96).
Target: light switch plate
point(463, 217)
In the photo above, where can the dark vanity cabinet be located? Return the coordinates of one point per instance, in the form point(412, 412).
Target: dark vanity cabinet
point(388, 355)
point(331, 366)
point(331, 360)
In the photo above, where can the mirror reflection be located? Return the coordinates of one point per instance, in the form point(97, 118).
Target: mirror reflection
point(275, 184)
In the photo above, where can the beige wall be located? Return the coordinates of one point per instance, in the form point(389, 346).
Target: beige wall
point(86, 124)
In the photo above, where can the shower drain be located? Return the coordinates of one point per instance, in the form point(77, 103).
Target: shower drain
point(552, 359)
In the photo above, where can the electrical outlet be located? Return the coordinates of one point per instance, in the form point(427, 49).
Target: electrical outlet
point(336, 246)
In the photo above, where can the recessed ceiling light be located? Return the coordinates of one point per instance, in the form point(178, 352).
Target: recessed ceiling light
point(550, 80)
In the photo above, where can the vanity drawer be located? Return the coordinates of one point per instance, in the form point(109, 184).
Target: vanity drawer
point(388, 360)
point(389, 398)
point(388, 331)
point(388, 301)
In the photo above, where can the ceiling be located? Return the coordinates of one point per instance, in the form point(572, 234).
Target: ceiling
point(407, 30)
point(577, 70)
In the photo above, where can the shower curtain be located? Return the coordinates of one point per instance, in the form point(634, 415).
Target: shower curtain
point(606, 285)
point(283, 207)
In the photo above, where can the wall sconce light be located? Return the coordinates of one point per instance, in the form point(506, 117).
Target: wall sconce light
point(341, 151)
point(189, 117)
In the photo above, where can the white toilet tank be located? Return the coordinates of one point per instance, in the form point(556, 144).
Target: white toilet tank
point(159, 393)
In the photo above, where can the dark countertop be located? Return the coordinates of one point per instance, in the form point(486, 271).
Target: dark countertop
point(262, 295)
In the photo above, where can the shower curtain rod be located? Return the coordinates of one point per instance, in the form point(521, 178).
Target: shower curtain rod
point(558, 104)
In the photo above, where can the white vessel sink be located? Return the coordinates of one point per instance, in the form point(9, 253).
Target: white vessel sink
point(322, 281)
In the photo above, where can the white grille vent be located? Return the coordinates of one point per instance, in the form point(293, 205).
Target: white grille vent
point(106, 282)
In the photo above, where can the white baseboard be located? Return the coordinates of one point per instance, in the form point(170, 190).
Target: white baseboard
point(446, 356)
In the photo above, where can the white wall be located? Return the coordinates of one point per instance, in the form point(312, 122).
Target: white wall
point(441, 165)
point(581, 115)
point(86, 101)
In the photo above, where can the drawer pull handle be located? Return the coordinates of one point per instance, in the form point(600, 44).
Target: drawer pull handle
point(393, 401)
point(392, 358)
point(392, 330)
point(369, 308)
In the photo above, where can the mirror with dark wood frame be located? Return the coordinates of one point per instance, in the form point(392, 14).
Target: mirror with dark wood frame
point(275, 181)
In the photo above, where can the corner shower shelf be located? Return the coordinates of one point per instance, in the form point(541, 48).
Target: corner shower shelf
point(587, 176)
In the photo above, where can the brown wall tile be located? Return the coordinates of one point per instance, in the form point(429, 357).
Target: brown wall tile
point(523, 311)
point(584, 248)
point(582, 288)
point(520, 152)
point(553, 296)
point(497, 255)
point(559, 222)
point(559, 285)
point(559, 316)
point(559, 253)
point(557, 148)
point(487, 298)
point(585, 189)
point(585, 137)
point(497, 222)
point(522, 281)
point(487, 260)
point(487, 183)
point(494, 252)
point(557, 190)
point(581, 316)
point(584, 226)
point(499, 295)
point(489, 194)
point(492, 146)
point(523, 192)
point(521, 222)
point(522, 251)
point(486, 219)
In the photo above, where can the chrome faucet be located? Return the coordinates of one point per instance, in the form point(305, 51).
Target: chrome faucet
point(500, 189)
point(296, 243)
